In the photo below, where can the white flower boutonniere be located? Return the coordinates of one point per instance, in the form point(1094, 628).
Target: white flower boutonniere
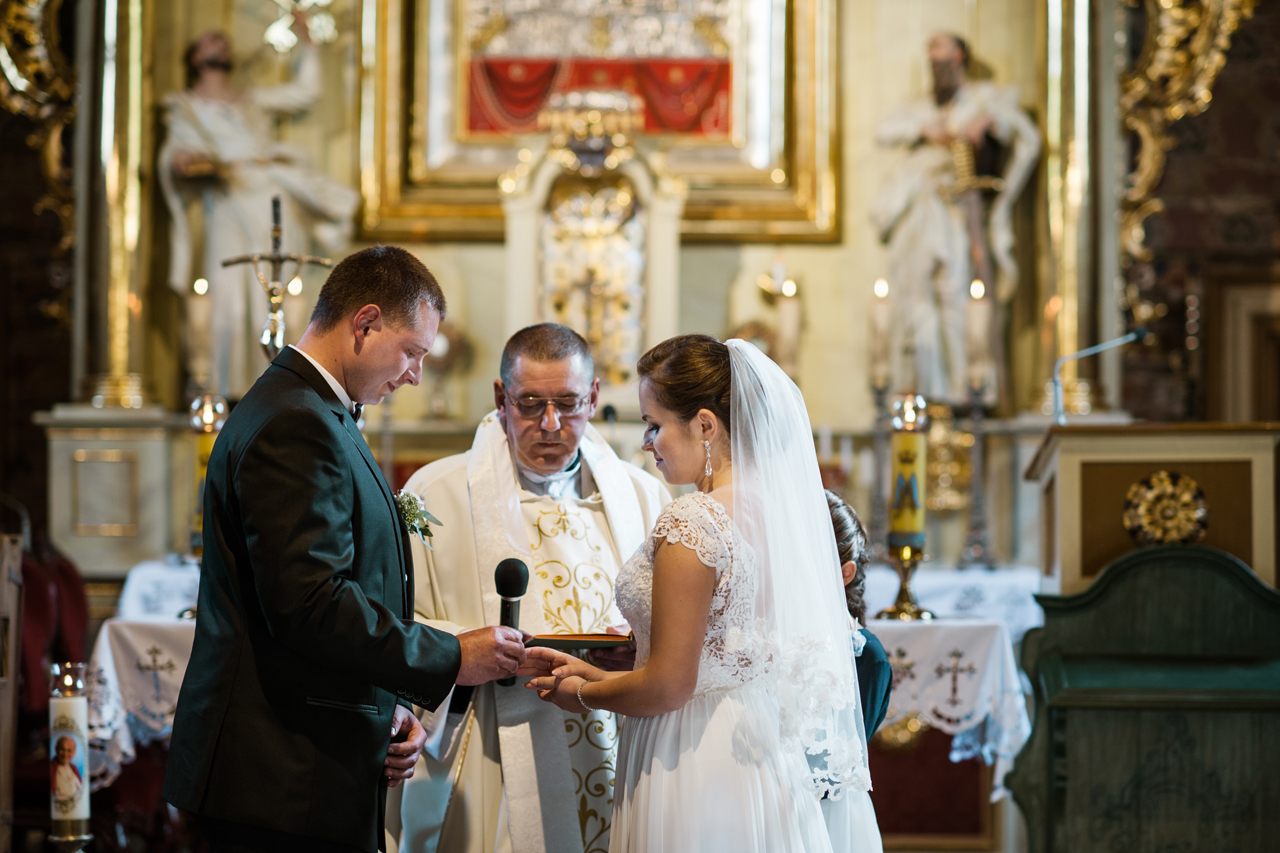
point(415, 516)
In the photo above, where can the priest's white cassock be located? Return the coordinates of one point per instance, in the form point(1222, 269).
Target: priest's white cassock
point(557, 767)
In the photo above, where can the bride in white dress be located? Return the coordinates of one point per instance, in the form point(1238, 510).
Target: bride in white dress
point(744, 662)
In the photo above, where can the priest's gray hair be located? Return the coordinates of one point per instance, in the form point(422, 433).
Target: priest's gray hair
point(544, 342)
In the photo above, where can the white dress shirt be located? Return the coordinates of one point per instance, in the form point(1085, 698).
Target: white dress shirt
point(343, 396)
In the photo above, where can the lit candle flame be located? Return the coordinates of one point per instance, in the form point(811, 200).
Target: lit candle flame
point(881, 288)
point(295, 286)
point(201, 286)
point(977, 290)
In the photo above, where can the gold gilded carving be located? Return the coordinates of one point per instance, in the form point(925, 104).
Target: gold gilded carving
point(426, 176)
point(36, 81)
point(1184, 49)
point(491, 28)
point(949, 466)
point(1166, 508)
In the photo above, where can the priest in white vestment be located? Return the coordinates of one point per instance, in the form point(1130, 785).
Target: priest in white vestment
point(502, 770)
point(219, 150)
point(940, 235)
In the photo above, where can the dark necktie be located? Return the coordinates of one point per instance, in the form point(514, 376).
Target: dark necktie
point(359, 410)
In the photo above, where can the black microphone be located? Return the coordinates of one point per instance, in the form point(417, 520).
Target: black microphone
point(511, 577)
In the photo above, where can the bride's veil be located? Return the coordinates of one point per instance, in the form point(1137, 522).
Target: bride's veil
point(781, 510)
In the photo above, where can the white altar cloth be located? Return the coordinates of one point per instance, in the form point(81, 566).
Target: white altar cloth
point(1006, 593)
point(959, 675)
point(134, 676)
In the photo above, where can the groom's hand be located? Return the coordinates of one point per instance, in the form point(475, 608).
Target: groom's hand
point(407, 739)
point(489, 654)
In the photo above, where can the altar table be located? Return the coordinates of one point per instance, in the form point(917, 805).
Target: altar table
point(959, 676)
point(134, 676)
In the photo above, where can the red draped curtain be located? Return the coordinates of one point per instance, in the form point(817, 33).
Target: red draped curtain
point(686, 97)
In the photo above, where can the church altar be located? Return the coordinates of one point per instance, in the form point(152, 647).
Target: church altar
point(959, 676)
point(1006, 594)
point(135, 673)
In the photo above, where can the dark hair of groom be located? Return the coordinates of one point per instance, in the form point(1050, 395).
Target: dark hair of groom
point(386, 276)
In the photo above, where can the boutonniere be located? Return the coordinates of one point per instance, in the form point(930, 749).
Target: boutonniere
point(415, 515)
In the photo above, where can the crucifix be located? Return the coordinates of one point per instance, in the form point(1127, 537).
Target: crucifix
point(956, 670)
point(155, 668)
point(272, 339)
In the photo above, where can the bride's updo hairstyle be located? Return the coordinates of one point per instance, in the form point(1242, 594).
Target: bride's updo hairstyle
point(689, 373)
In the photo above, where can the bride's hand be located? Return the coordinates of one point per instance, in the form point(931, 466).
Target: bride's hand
point(541, 661)
point(561, 692)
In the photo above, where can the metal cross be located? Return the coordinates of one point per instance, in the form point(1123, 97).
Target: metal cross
point(272, 339)
point(155, 668)
point(956, 671)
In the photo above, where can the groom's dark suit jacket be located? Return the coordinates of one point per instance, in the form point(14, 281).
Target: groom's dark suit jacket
point(305, 636)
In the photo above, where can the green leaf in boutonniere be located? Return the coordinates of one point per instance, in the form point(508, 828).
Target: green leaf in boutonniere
point(415, 515)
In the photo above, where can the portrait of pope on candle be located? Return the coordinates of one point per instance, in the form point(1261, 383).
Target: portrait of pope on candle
point(66, 772)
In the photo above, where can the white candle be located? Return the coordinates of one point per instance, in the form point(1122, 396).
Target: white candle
point(199, 337)
point(295, 312)
point(978, 338)
point(824, 444)
point(69, 758)
point(790, 320)
point(881, 318)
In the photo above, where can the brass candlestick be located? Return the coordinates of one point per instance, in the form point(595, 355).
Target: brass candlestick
point(879, 533)
point(905, 562)
point(977, 548)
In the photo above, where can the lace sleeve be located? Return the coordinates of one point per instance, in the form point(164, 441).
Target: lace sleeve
point(697, 522)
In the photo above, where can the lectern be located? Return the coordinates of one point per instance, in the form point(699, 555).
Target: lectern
point(1106, 490)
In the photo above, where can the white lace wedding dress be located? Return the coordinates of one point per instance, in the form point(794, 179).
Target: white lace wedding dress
point(712, 776)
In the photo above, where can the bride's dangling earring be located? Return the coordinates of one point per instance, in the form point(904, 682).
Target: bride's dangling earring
point(707, 445)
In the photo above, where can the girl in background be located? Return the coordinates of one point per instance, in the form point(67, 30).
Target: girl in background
point(874, 671)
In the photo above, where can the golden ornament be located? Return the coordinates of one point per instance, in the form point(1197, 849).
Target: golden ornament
point(1166, 508)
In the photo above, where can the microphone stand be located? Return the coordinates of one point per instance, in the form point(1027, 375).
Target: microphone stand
point(1059, 405)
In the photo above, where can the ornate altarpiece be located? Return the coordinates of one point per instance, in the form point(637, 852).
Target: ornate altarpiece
point(452, 89)
point(593, 236)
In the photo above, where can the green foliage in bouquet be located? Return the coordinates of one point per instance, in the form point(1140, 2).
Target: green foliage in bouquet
point(415, 515)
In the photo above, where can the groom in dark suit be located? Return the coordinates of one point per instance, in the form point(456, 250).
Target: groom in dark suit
point(294, 714)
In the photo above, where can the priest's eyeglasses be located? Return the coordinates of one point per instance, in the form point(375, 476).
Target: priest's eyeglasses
point(534, 407)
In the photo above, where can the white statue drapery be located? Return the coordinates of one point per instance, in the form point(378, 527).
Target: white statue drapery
point(930, 258)
point(236, 209)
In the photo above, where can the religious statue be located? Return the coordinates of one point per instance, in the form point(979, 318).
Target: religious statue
point(219, 150)
point(965, 143)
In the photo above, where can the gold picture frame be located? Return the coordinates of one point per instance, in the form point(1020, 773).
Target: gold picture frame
point(129, 525)
point(776, 178)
